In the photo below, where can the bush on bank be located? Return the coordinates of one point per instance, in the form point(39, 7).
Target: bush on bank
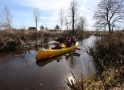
point(108, 58)
point(12, 39)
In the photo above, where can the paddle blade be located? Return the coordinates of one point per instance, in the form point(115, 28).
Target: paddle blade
point(78, 48)
point(76, 54)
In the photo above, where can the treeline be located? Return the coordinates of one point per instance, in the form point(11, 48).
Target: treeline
point(5, 19)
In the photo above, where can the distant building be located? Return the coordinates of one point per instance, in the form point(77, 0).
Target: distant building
point(32, 28)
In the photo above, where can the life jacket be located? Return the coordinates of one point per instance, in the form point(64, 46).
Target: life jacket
point(67, 42)
point(72, 39)
point(58, 46)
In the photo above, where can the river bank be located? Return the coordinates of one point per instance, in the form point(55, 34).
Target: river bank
point(108, 58)
point(14, 39)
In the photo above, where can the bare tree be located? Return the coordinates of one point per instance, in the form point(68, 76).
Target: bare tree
point(73, 13)
point(36, 15)
point(66, 22)
point(61, 15)
point(6, 18)
point(82, 24)
point(100, 26)
point(109, 12)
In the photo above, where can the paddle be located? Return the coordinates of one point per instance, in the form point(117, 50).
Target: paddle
point(78, 48)
point(76, 54)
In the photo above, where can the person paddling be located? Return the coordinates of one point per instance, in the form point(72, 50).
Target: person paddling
point(57, 46)
point(73, 40)
point(67, 42)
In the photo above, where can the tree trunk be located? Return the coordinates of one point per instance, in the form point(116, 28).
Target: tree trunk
point(109, 27)
point(72, 20)
point(36, 32)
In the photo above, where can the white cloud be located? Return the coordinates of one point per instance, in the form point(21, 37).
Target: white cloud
point(52, 7)
point(46, 4)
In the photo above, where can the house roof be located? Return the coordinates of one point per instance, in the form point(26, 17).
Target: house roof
point(32, 28)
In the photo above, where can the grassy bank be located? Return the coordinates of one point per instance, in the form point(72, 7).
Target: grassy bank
point(13, 39)
point(108, 57)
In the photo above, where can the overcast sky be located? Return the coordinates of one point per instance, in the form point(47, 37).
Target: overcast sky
point(22, 11)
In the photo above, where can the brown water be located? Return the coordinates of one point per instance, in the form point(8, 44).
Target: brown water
point(19, 70)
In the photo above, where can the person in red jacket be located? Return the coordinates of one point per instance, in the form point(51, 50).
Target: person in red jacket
point(57, 46)
point(73, 40)
point(67, 42)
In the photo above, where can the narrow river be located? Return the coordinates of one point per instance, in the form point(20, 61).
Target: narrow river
point(19, 70)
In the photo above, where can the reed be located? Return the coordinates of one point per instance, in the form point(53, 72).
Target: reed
point(13, 39)
point(107, 52)
point(108, 58)
point(107, 80)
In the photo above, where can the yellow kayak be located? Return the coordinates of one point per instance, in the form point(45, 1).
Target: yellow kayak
point(49, 53)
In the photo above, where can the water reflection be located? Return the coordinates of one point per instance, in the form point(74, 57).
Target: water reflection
point(68, 56)
point(44, 62)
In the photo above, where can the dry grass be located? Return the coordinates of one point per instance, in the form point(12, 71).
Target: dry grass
point(108, 57)
point(12, 39)
point(107, 80)
point(108, 52)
